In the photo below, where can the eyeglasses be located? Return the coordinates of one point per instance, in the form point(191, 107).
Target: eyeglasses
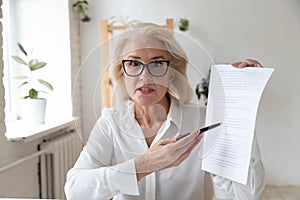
point(135, 68)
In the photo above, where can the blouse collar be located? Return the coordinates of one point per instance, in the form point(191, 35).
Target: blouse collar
point(174, 115)
point(175, 112)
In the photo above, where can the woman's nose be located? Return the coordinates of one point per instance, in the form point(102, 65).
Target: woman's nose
point(146, 76)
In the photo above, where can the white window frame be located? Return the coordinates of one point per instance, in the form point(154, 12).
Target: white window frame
point(10, 114)
point(10, 93)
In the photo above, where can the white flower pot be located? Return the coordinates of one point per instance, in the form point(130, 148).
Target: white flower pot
point(33, 111)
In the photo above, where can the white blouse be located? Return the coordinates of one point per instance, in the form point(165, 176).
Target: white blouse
point(105, 168)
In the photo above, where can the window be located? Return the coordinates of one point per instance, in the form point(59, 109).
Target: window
point(43, 28)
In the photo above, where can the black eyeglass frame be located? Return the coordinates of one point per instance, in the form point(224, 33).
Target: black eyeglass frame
point(146, 65)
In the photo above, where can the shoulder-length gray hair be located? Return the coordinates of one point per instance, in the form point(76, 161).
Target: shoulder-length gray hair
point(152, 34)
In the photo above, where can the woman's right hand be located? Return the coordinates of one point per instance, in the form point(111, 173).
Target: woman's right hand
point(166, 153)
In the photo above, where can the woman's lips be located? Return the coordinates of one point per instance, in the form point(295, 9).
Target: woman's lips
point(145, 90)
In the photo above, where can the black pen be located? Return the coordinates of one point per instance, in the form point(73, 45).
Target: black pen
point(202, 130)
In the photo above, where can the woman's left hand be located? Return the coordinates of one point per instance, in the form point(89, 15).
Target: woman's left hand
point(247, 63)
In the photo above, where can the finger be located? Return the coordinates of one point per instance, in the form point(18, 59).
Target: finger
point(243, 64)
point(165, 141)
point(176, 136)
point(197, 141)
point(186, 154)
point(236, 64)
point(252, 62)
point(168, 140)
point(187, 139)
point(239, 64)
point(185, 143)
point(176, 156)
point(247, 63)
point(176, 149)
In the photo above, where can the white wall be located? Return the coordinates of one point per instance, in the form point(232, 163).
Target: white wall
point(230, 30)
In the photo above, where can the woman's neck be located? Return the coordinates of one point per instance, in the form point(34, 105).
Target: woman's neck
point(152, 117)
point(147, 115)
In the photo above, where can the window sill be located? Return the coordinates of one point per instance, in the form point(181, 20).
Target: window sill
point(19, 131)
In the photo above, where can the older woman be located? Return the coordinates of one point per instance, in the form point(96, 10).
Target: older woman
point(132, 152)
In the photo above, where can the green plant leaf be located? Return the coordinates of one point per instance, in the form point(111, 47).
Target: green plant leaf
point(80, 9)
point(78, 3)
point(134, 22)
point(22, 49)
point(112, 22)
point(45, 83)
point(24, 83)
point(21, 77)
point(84, 2)
point(19, 60)
point(33, 94)
point(33, 61)
point(37, 66)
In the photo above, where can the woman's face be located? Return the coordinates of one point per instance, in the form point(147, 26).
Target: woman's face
point(147, 89)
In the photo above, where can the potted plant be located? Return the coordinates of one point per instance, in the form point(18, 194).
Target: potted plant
point(122, 20)
point(202, 89)
point(32, 106)
point(183, 24)
point(82, 9)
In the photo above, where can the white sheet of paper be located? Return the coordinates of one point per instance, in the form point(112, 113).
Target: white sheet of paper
point(234, 95)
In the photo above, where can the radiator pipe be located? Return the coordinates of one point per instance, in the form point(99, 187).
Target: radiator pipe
point(20, 161)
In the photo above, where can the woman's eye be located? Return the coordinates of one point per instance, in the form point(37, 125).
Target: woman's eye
point(135, 63)
point(157, 64)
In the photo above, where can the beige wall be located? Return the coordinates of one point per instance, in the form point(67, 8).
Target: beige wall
point(230, 30)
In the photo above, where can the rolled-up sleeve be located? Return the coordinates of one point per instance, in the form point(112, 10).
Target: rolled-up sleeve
point(255, 184)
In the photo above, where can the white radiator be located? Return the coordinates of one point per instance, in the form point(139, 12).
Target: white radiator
point(60, 155)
